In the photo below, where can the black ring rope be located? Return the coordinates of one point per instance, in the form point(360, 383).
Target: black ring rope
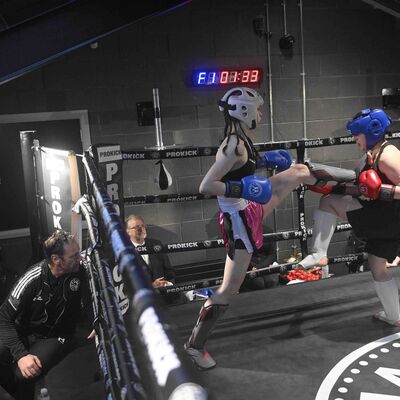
point(300, 145)
point(110, 384)
point(120, 358)
point(172, 371)
point(188, 151)
point(170, 198)
point(165, 198)
point(272, 269)
point(183, 152)
point(216, 243)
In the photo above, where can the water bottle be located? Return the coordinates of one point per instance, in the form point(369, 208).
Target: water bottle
point(44, 394)
point(325, 271)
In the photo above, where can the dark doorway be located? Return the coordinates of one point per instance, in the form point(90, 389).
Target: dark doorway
point(58, 134)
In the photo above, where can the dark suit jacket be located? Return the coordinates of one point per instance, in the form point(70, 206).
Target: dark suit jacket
point(159, 262)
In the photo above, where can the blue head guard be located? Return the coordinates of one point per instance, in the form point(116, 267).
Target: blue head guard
point(372, 123)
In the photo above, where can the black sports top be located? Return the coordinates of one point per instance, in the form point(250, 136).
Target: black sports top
point(375, 165)
point(246, 169)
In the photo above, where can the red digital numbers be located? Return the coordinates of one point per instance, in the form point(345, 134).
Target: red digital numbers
point(223, 78)
point(227, 77)
point(245, 76)
point(239, 76)
point(233, 77)
point(254, 76)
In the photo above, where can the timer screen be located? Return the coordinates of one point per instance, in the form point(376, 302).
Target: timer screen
point(226, 77)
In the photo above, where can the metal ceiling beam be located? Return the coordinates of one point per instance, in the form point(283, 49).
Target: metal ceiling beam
point(388, 6)
point(15, 12)
point(32, 44)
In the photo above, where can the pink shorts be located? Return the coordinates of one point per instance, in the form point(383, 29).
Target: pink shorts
point(242, 226)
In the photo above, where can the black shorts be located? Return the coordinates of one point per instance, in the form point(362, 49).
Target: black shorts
point(378, 224)
point(49, 350)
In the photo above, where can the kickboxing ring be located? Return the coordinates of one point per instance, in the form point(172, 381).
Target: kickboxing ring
point(129, 347)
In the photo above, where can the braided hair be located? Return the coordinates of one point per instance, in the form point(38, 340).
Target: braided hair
point(233, 127)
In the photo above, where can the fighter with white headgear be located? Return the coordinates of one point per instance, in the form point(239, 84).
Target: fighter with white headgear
point(244, 200)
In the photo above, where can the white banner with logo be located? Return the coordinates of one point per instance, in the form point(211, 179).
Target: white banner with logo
point(58, 191)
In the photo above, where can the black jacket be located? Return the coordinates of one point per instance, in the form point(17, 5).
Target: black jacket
point(43, 305)
point(159, 264)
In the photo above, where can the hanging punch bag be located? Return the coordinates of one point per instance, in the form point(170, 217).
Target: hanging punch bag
point(163, 178)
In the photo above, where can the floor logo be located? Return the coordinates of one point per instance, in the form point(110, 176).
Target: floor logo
point(368, 373)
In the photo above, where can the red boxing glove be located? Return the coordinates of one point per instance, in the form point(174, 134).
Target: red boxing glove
point(326, 189)
point(369, 184)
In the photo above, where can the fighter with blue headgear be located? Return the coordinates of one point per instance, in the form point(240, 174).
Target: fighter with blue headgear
point(372, 123)
point(373, 210)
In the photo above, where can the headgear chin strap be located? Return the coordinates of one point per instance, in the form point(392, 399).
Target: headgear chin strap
point(372, 123)
point(242, 103)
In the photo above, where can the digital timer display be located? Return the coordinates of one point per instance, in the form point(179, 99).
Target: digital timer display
point(226, 77)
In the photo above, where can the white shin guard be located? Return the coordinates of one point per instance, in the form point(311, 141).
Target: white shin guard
point(324, 226)
point(388, 294)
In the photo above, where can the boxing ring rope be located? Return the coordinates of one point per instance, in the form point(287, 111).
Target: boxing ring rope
point(184, 152)
point(189, 151)
point(165, 198)
point(121, 375)
point(272, 269)
point(171, 373)
point(216, 243)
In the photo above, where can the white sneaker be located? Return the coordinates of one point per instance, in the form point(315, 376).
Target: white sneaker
point(200, 358)
point(311, 261)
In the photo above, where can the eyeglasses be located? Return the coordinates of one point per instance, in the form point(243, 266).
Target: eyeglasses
point(137, 227)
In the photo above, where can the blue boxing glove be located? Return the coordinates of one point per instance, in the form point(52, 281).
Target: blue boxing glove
point(252, 187)
point(279, 159)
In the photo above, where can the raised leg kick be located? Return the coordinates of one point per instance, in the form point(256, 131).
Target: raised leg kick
point(324, 221)
point(326, 173)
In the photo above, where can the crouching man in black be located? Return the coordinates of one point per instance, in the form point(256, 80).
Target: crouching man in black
point(39, 316)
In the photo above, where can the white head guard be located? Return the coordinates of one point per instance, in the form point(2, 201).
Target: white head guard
point(242, 103)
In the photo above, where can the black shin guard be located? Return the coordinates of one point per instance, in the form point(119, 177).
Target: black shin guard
point(208, 317)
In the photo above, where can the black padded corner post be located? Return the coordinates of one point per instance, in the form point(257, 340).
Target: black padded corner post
point(26, 138)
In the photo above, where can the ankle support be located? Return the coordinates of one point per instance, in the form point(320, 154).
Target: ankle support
point(388, 294)
point(312, 260)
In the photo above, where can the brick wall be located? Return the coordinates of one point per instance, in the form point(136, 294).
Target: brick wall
point(351, 53)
